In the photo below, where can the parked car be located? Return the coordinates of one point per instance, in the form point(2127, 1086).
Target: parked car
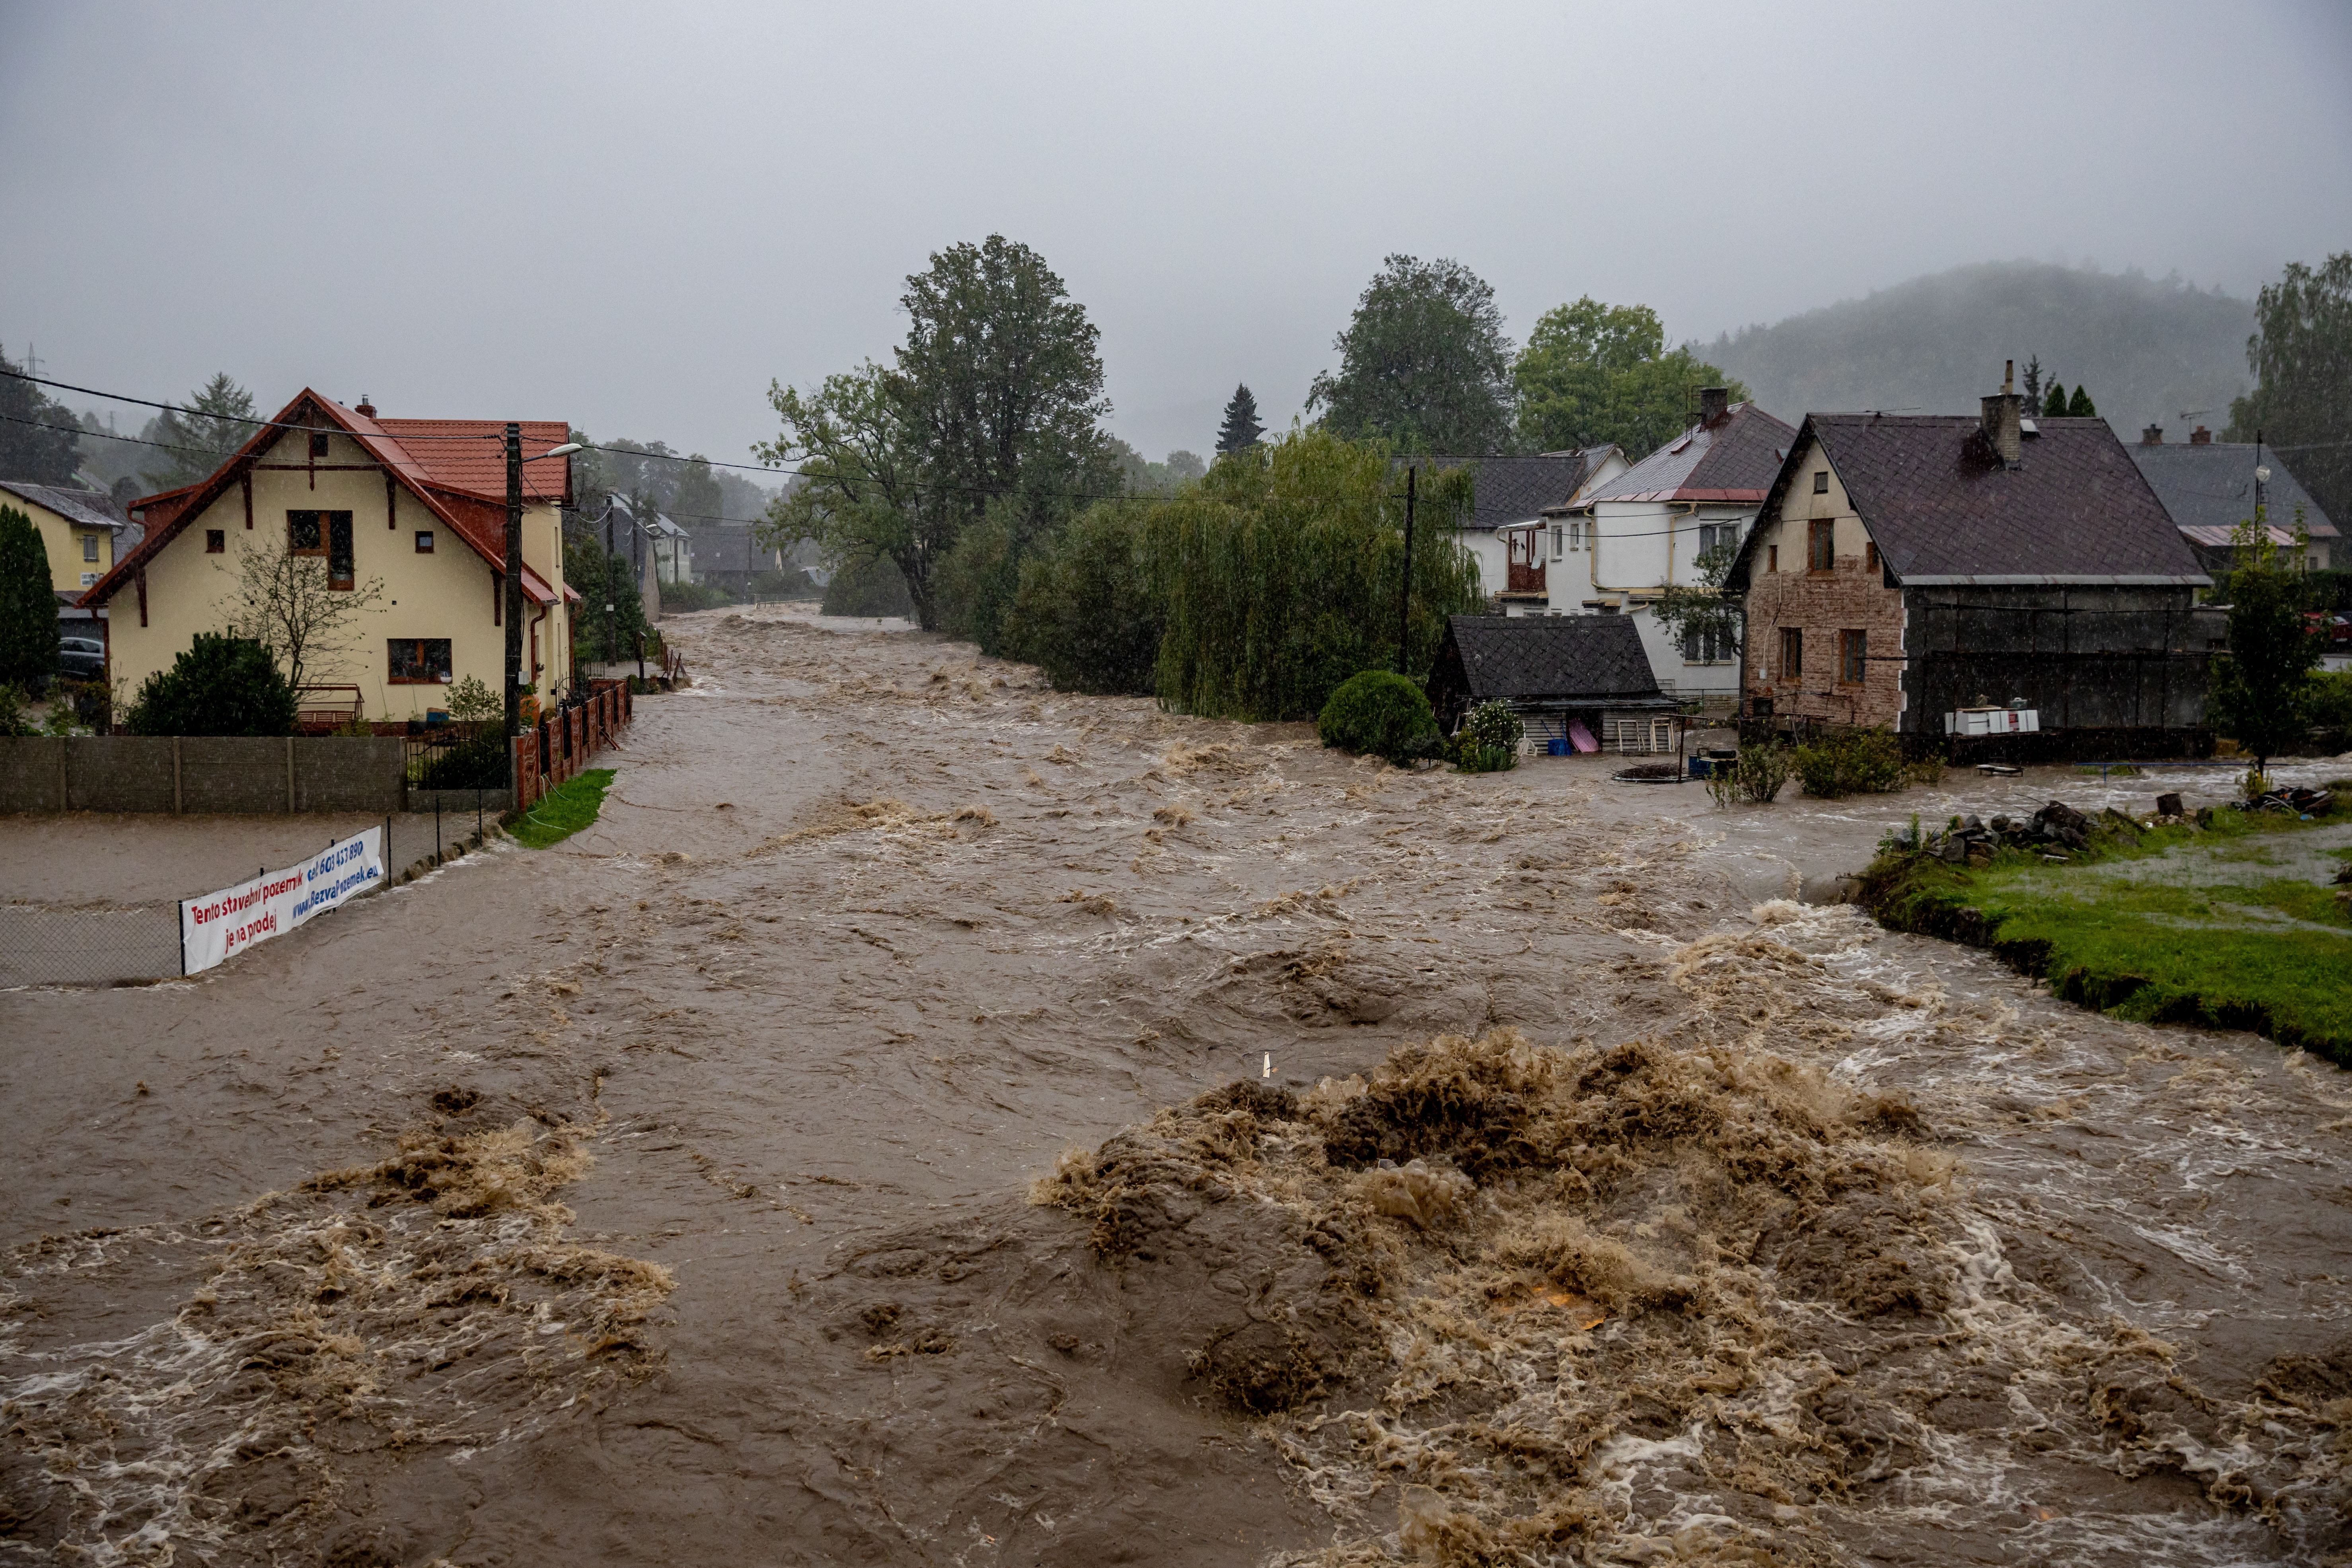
point(83, 657)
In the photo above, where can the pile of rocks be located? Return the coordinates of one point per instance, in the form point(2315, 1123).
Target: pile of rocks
point(2057, 832)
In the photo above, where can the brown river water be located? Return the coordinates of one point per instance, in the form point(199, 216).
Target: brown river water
point(817, 1161)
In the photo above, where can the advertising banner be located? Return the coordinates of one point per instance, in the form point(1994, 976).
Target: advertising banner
point(218, 924)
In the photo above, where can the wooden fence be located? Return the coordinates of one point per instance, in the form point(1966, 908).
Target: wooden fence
point(563, 742)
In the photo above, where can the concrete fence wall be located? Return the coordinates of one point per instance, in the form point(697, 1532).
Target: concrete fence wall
point(229, 773)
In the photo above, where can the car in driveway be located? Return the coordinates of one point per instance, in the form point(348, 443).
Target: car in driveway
point(81, 657)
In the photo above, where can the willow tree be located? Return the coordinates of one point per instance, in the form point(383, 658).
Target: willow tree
point(1279, 575)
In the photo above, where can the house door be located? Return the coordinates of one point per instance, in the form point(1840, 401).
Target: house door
point(341, 571)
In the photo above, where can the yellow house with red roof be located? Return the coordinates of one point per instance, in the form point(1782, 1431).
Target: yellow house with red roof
point(417, 505)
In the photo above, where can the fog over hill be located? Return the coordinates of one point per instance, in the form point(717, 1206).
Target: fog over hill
point(2149, 347)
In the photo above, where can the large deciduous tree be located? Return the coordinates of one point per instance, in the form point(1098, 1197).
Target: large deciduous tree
point(1423, 363)
point(2301, 355)
point(988, 422)
point(1594, 374)
point(218, 420)
point(38, 434)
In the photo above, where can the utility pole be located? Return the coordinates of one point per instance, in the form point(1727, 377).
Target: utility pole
point(1404, 597)
point(514, 587)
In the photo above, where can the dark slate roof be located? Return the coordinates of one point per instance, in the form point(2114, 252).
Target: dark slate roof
point(1534, 658)
point(2212, 486)
point(91, 508)
point(1735, 461)
point(1504, 490)
point(1942, 508)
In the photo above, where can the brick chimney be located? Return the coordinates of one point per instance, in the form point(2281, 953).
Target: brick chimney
point(1713, 406)
point(2200, 436)
point(2152, 436)
point(364, 408)
point(2002, 430)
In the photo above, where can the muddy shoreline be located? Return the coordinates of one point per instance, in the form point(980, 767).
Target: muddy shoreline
point(664, 1195)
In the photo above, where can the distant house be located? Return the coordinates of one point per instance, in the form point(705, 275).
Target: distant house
point(83, 531)
point(1905, 568)
point(1510, 496)
point(2209, 487)
point(1620, 546)
point(731, 555)
point(1581, 677)
point(419, 504)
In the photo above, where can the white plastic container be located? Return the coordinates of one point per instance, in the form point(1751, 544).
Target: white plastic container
point(1973, 722)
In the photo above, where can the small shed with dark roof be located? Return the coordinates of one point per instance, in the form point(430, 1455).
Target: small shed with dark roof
point(1548, 668)
point(1903, 568)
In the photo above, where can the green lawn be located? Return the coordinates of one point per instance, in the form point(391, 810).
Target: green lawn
point(2234, 926)
point(563, 811)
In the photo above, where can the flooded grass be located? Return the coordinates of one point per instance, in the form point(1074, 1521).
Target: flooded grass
point(565, 811)
point(2184, 925)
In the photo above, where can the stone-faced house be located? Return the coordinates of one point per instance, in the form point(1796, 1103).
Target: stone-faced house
point(2209, 487)
point(417, 504)
point(1627, 537)
point(1904, 567)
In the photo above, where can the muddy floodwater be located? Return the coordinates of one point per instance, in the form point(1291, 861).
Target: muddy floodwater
point(931, 1118)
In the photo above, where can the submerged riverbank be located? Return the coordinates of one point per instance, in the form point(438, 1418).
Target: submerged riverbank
point(2231, 921)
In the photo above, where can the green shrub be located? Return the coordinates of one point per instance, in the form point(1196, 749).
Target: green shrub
point(11, 713)
point(1377, 713)
point(2331, 699)
point(1085, 614)
point(477, 761)
point(872, 588)
point(1850, 761)
point(1493, 726)
point(1755, 775)
point(1473, 758)
point(221, 686)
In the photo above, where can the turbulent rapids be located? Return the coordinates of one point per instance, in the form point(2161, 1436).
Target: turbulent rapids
point(932, 1118)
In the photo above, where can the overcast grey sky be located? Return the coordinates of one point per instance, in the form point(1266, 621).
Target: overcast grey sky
point(634, 216)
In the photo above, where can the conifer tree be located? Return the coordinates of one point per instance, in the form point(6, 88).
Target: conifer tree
point(2032, 379)
point(29, 605)
point(2054, 406)
point(1241, 428)
point(2080, 406)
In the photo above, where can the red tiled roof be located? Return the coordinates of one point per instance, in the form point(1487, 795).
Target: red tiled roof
point(470, 454)
point(468, 510)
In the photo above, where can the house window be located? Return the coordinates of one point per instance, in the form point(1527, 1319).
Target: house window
point(1558, 541)
point(1854, 657)
point(306, 533)
point(1792, 653)
point(419, 661)
point(424, 541)
point(1707, 644)
point(1870, 554)
point(1821, 539)
point(1772, 558)
point(1714, 536)
point(90, 547)
point(216, 540)
point(1821, 482)
point(318, 443)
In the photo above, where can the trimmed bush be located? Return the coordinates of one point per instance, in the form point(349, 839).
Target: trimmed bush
point(1377, 713)
point(28, 608)
point(221, 686)
point(1851, 762)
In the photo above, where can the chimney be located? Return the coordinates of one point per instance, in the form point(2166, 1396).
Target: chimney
point(2003, 431)
point(364, 408)
point(2200, 436)
point(1713, 406)
point(2152, 436)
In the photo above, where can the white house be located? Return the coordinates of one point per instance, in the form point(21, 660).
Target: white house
point(1512, 493)
point(1616, 549)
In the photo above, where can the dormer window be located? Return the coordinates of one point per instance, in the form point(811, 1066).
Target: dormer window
point(1821, 482)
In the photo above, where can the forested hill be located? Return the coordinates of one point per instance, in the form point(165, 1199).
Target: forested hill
point(2148, 348)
